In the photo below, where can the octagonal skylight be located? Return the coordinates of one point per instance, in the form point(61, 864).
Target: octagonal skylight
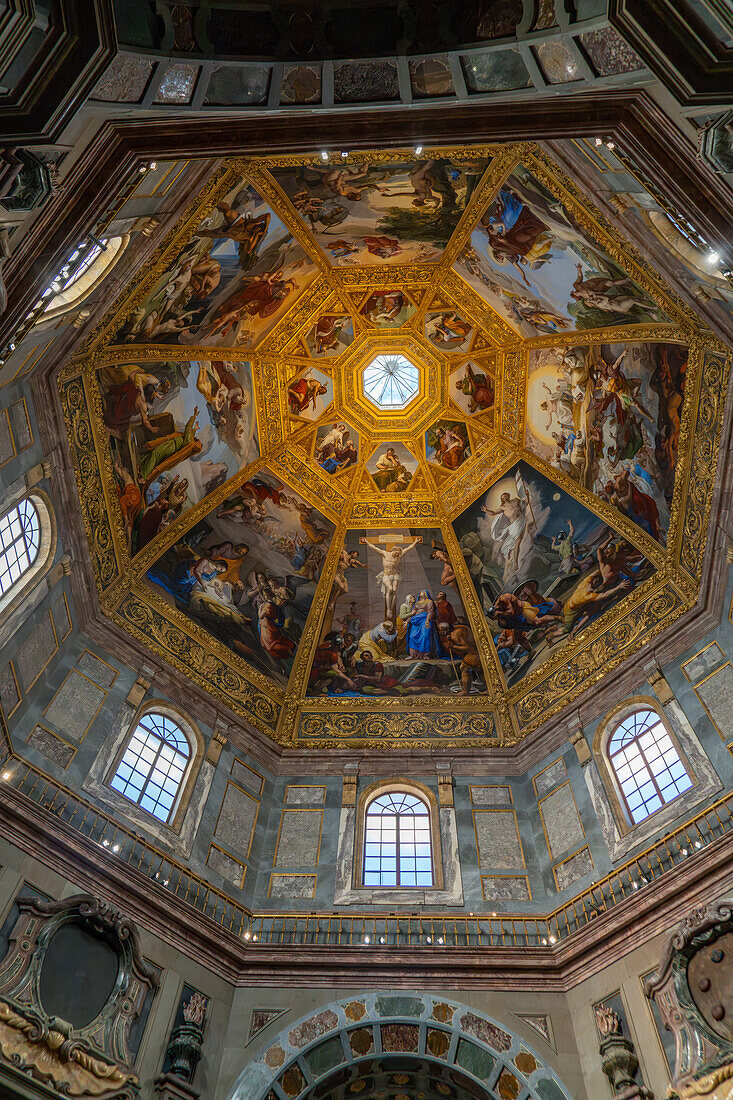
point(391, 381)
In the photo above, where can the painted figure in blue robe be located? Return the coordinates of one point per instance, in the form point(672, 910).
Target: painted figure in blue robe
point(185, 576)
point(423, 638)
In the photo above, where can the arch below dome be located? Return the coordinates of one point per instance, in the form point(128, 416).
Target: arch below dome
point(376, 1038)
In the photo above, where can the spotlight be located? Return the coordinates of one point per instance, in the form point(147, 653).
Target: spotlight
point(344, 154)
point(153, 165)
point(610, 145)
point(105, 842)
point(418, 150)
point(440, 939)
point(115, 847)
point(367, 940)
point(6, 775)
point(544, 942)
point(429, 939)
point(599, 141)
point(382, 939)
point(553, 939)
point(248, 935)
point(324, 154)
point(254, 939)
point(143, 169)
point(713, 257)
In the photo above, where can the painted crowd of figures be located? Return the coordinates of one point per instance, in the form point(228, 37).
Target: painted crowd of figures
point(248, 572)
point(177, 431)
point(543, 565)
point(609, 417)
point(395, 624)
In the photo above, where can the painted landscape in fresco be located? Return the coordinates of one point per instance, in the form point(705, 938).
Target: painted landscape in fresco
point(395, 623)
point(248, 572)
point(236, 276)
point(177, 431)
point(531, 261)
point(373, 214)
point(544, 566)
point(609, 417)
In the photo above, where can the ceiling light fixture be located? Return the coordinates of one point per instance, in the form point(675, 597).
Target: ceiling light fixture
point(713, 257)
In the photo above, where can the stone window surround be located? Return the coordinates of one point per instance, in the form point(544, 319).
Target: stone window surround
point(179, 833)
point(448, 888)
point(621, 836)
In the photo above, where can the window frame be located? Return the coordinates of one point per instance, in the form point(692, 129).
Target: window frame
point(429, 800)
point(47, 539)
point(606, 729)
point(196, 753)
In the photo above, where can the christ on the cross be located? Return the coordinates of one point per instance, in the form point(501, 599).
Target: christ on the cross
point(390, 576)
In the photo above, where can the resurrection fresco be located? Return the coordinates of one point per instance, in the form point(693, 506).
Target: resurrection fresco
point(372, 213)
point(609, 417)
point(543, 565)
point(248, 572)
point(450, 357)
point(531, 261)
point(395, 624)
point(229, 284)
point(177, 431)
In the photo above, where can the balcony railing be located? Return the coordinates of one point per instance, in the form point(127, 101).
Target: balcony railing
point(372, 931)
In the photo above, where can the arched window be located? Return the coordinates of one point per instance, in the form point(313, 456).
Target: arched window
point(20, 541)
point(646, 763)
point(151, 770)
point(397, 841)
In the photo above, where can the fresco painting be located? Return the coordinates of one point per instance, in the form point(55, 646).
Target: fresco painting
point(530, 260)
point(336, 447)
point(395, 622)
point(544, 567)
point(609, 417)
point(248, 572)
point(392, 467)
point(388, 309)
point(448, 331)
point(177, 430)
point(447, 444)
point(374, 214)
point(331, 334)
point(237, 275)
point(472, 387)
point(309, 393)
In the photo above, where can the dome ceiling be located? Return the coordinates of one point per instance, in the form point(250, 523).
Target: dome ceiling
point(387, 447)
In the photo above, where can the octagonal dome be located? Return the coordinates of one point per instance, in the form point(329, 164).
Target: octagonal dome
point(405, 471)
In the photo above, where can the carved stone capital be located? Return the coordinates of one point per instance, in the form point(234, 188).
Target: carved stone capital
point(351, 775)
point(659, 682)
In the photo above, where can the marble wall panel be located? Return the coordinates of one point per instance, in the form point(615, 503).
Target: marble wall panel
point(573, 869)
point(497, 839)
point(299, 841)
point(228, 867)
point(61, 617)
point(550, 777)
point(716, 695)
point(36, 651)
point(96, 669)
point(51, 746)
point(19, 422)
point(75, 705)
point(492, 795)
point(560, 820)
point(237, 817)
point(505, 888)
point(9, 693)
point(292, 886)
point(305, 796)
point(7, 447)
point(245, 777)
point(703, 663)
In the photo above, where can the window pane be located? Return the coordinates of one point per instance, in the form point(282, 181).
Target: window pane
point(647, 764)
point(19, 543)
point(153, 765)
point(397, 834)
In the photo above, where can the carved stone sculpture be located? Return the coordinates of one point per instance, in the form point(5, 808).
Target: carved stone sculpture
point(618, 1059)
point(692, 990)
